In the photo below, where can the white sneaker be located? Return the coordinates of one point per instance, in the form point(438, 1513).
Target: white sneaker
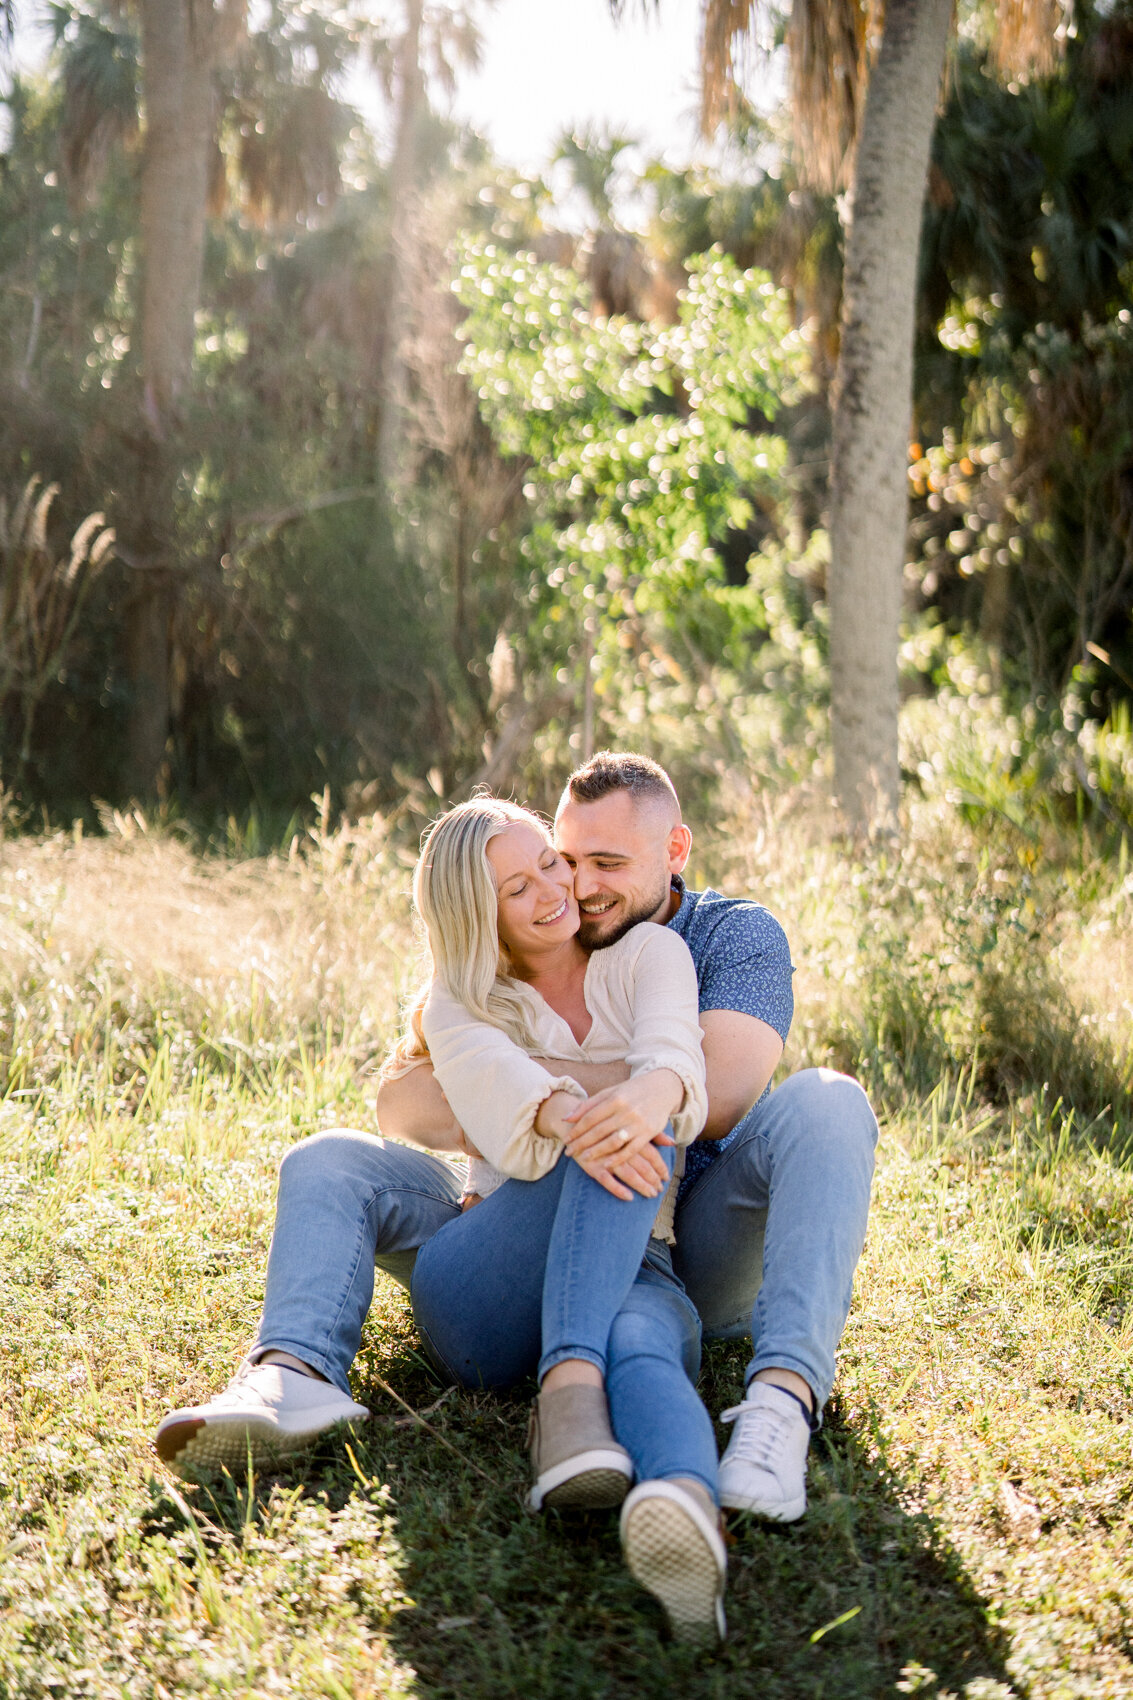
point(764, 1468)
point(265, 1412)
point(673, 1547)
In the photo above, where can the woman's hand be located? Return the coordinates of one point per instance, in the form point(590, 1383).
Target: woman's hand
point(614, 1135)
point(592, 1131)
point(623, 1120)
point(644, 1173)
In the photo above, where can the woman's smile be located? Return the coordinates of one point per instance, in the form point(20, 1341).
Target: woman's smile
point(535, 893)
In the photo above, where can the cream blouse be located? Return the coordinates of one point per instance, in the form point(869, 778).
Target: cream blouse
point(642, 995)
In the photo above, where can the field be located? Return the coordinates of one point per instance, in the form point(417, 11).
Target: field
point(170, 1020)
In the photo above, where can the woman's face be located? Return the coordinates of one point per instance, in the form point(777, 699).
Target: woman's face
point(535, 892)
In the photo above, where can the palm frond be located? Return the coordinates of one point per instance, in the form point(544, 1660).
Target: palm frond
point(1027, 35)
point(827, 47)
point(591, 157)
point(453, 42)
point(725, 44)
point(289, 153)
point(100, 65)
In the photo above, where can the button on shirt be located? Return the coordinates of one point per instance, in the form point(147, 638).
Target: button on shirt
point(743, 962)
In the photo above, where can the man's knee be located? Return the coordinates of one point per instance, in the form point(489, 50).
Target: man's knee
point(820, 1103)
point(634, 1335)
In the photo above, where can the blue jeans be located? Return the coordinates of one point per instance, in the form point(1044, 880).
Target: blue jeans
point(767, 1238)
point(546, 1270)
point(560, 1253)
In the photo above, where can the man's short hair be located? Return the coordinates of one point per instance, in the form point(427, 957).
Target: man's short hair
point(622, 770)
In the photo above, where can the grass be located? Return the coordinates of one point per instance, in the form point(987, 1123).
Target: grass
point(170, 1023)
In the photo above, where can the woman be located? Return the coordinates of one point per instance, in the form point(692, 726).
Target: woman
point(563, 1265)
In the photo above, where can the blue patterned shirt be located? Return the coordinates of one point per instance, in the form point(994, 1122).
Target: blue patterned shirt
point(743, 962)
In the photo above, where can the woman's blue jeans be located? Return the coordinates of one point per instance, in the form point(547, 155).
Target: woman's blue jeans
point(542, 1271)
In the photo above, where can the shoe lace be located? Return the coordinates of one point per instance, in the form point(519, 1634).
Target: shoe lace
point(759, 1435)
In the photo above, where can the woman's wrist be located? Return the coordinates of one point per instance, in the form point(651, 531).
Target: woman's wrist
point(550, 1117)
point(669, 1090)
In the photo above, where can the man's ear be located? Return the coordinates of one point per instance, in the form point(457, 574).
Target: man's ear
point(680, 848)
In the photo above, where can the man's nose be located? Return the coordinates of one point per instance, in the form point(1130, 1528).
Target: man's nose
point(585, 885)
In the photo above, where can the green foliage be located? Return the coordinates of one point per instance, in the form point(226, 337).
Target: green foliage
point(645, 446)
point(1026, 355)
point(309, 644)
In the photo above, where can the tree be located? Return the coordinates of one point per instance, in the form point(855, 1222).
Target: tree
point(866, 111)
point(196, 67)
point(1024, 346)
point(873, 408)
point(432, 42)
point(639, 459)
point(184, 44)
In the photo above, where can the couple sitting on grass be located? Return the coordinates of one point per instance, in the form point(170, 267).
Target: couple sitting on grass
point(600, 1041)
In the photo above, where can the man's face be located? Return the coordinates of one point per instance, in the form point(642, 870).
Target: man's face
point(624, 855)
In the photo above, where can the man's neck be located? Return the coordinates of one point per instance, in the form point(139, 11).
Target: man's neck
point(669, 908)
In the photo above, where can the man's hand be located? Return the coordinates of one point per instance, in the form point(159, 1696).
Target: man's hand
point(592, 1077)
point(413, 1107)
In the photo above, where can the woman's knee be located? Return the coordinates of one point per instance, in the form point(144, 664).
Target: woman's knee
point(341, 1156)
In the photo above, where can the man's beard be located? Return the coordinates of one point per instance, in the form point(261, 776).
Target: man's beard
point(645, 911)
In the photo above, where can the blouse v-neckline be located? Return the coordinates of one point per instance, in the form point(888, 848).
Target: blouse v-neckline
point(561, 1019)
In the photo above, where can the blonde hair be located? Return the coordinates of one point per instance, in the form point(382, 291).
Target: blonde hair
point(454, 894)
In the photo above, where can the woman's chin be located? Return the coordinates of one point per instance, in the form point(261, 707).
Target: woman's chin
point(546, 934)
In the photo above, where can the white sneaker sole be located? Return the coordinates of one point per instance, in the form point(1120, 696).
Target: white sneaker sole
point(597, 1480)
point(195, 1443)
point(677, 1555)
point(774, 1510)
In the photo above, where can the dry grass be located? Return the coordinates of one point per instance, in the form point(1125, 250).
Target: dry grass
point(170, 1023)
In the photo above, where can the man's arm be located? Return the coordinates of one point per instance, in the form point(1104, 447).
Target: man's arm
point(741, 1053)
point(592, 1077)
point(413, 1107)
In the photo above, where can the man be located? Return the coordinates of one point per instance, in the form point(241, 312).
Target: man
point(770, 1219)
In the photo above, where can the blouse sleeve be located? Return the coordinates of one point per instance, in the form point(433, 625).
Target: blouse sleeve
point(666, 1030)
point(494, 1087)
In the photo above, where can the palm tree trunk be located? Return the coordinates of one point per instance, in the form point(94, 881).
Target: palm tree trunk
point(179, 43)
point(402, 182)
point(872, 408)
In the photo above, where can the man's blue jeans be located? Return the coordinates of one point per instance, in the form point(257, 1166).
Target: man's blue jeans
point(768, 1238)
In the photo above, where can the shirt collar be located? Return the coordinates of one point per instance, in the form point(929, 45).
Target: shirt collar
point(680, 890)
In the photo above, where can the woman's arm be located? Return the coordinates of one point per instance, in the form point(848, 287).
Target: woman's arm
point(652, 988)
point(635, 1165)
point(513, 1109)
point(495, 1089)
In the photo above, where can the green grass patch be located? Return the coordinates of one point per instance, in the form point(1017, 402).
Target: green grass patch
point(170, 1026)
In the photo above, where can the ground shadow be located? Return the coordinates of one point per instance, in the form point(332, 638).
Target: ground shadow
point(863, 1595)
